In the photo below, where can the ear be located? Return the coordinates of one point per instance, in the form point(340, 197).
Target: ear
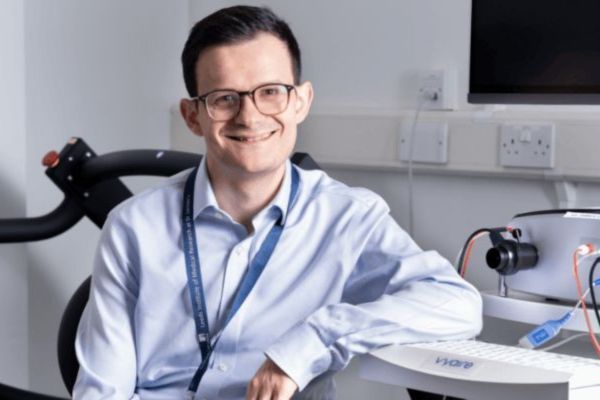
point(189, 112)
point(304, 98)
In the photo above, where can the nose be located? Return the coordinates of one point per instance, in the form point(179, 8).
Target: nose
point(248, 113)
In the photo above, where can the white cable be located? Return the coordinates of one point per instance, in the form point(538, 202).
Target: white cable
point(573, 337)
point(585, 256)
point(411, 149)
point(562, 342)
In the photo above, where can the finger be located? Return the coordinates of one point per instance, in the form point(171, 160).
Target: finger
point(252, 390)
point(265, 393)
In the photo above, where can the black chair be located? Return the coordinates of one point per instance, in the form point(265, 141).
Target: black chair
point(67, 359)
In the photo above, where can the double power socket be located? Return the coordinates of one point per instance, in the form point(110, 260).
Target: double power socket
point(530, 145)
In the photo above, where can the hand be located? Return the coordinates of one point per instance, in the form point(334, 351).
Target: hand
point(271, 383)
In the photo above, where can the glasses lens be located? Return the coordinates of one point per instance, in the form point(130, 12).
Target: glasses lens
point(223, 104)
point(271, 99)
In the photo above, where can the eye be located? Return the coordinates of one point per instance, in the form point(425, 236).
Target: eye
point(271, 91)
point(224, 99)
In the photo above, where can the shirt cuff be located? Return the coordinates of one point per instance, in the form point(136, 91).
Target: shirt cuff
point(301, 354)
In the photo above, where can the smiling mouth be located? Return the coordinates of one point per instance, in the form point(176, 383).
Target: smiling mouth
point(252, 139)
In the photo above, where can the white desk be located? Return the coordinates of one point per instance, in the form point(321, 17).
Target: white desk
point(529, 309)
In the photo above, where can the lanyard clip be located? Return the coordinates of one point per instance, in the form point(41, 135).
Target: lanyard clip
point(202, 337)
point(189, 395)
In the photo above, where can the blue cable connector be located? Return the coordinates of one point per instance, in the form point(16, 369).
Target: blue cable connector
point(549, 329)
point(545, 332)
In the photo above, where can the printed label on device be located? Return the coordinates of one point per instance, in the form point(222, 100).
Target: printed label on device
point(581, 215)
point(451, 364)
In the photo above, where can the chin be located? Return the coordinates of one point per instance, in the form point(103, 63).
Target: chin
point(256, 170)
point(260, 167)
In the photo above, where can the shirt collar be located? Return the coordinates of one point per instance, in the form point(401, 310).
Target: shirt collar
point(204, 196)
point(282, 197)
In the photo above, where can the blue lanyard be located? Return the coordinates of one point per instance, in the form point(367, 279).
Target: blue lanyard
point(194, 274)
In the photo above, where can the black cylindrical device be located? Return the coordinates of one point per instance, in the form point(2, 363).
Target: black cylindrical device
point(508, 257)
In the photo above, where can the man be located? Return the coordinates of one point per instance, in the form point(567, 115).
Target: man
point(248, 277)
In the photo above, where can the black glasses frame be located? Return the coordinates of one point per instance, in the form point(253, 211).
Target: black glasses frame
point(249, 93)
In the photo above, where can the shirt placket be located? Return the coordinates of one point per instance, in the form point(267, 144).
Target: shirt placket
point(224, 359)
point(236, 266)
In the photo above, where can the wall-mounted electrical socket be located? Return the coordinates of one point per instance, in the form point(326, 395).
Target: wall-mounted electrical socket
point(431, 142)
point(437, 90)
point(527, 145)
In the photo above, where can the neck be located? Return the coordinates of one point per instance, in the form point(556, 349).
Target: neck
point(244, 195)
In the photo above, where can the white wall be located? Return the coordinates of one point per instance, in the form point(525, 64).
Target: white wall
point(108, 72)
point(13, 266)
point(367, 54)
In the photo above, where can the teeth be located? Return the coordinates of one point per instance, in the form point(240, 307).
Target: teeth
point(254, 139)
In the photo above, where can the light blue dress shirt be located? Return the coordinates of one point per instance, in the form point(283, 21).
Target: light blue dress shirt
point(343, 280)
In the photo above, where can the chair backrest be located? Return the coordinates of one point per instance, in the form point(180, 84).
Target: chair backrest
point(67, 359)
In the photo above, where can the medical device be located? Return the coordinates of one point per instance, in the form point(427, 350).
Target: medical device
point(535, 255)
point(478, 370)
point(545, 253)
point(540, 258)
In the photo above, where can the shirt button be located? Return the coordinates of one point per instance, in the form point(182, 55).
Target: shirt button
point(239, 250)
point(222, 367)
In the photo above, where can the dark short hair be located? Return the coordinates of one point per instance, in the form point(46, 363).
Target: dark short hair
point(234, 25)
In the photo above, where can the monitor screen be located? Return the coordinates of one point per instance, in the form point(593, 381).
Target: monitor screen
point(535, 52)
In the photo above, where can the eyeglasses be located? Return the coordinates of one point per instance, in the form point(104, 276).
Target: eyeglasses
point(269, 99)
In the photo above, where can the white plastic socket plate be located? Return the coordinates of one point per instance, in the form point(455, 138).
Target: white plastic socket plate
point(431, 142)
point(527, 145)
point(438, 83)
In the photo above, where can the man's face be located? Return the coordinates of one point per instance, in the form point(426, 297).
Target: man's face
point(250, 143)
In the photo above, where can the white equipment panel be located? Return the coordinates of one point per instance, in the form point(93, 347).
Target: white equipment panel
point(484, 371)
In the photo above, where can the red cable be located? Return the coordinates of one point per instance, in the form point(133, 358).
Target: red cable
point(465, 264)
point(593, 339)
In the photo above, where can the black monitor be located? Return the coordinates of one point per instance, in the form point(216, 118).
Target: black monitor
point(535, 52)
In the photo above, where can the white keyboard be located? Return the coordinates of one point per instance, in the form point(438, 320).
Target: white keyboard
point(485, 362)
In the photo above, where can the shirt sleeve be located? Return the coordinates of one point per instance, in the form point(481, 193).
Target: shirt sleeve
point(396, 294)
point(105, 337)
